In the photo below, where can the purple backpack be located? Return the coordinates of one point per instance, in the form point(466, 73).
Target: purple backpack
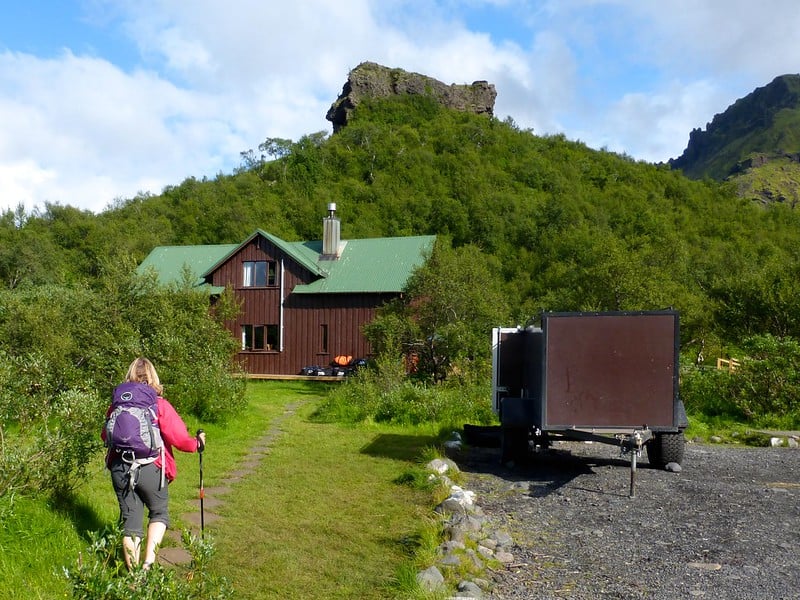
point(132, 425)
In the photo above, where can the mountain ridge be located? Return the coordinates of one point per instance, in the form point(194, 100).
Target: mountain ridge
point(754, 143)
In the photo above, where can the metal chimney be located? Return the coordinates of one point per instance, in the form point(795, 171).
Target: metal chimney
point(331, 233)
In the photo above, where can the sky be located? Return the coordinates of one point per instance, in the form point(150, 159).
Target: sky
point(101, 100)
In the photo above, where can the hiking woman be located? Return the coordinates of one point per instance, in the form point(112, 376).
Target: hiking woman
point(141, 477)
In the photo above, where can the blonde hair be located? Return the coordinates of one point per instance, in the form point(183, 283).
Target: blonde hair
point(143, 371)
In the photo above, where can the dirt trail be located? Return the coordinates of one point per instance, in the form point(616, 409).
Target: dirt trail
point(174, 554)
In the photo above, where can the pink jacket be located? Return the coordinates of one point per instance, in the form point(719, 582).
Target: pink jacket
point(174, 434)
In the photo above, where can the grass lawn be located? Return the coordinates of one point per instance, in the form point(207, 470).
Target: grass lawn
point(320, 516)
point(323, 517)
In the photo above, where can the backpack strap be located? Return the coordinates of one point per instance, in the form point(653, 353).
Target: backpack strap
point(163, 465)
point(133, 468)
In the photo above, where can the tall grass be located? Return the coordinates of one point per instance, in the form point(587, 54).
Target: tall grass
point(379, 396)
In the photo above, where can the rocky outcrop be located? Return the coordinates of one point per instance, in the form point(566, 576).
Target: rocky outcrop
point(760, 123)
point(371, 80)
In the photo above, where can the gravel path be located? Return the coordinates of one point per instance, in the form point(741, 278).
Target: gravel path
point(726, 526)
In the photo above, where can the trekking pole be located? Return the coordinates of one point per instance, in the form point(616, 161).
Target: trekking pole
point(200, 447)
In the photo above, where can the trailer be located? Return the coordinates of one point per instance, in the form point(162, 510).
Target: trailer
point(607, 377)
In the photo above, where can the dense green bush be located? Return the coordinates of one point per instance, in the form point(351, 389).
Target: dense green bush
point(445, 315)
point(63, 349)
point(705, 391)
point(383, 394)
point(46, 431)
point(766, 386)
point(764, 390)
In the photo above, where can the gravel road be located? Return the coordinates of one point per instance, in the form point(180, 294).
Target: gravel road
point(726, 527)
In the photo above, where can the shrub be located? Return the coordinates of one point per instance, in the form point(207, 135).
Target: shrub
point(101, 574)
point(198, 377)
point(394, 399)
point(46, 435)
point(706, 391)
point(767, 383)
point(763, 390)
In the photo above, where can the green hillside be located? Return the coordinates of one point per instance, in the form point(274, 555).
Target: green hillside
point(562, 226)
point(769, 179)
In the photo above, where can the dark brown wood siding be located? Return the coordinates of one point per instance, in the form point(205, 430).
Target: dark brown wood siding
point(303, 317)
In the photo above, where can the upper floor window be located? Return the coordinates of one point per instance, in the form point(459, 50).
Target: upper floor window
point(259, 273)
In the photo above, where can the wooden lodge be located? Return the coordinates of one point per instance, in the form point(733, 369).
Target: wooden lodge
point(303, 303)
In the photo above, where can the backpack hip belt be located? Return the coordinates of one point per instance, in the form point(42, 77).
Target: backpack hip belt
point(134, 463)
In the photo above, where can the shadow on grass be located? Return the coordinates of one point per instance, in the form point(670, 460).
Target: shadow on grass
point(399, 446)
point(83, 517)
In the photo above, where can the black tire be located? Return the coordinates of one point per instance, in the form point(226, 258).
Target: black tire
point(665, 448)
point(654, 452)
point(514, 444)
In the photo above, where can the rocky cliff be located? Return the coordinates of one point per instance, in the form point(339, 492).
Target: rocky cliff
point(755, 144)
point(764, 123)
point(371, 80)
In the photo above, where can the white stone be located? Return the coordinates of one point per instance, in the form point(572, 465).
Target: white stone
point(505, 557)
point(437, 465)
point(430, 579)
point(442, 466)
point(705, 566)
point(465, 498)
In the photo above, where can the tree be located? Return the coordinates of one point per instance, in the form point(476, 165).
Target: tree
point(446, 314)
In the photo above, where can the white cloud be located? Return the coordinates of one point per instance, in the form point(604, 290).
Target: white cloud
point(243, 43)
point(650, 123)
point(23, 182)
point(94, 133)
point(215, 79)
point(728, 36)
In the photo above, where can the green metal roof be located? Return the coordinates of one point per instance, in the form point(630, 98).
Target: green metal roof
point(370, 265)
point(169, 261)
point(373, 265)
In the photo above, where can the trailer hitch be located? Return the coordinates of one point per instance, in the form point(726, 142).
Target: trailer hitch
point(632, 443)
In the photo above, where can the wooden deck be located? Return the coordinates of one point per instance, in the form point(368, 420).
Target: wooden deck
point(295, 377)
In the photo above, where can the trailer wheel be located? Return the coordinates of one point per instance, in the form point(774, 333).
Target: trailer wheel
point(665, 448)
point(515, 444)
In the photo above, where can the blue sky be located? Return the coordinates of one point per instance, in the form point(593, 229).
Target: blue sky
point(104, 99)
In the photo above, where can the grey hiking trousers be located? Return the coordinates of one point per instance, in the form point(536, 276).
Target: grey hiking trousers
point(148, 492)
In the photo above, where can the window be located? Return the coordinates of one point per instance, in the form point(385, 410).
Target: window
point(260, 337)
point(259, 273)
point(247, 337)
point(323, 342)
point(272, 337)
